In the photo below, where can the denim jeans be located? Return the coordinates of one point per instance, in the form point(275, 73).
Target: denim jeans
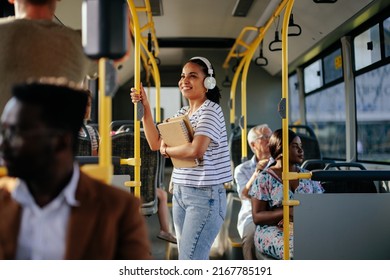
point(198, 214)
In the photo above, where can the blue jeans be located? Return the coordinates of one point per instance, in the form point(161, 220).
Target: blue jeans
point(198, 214)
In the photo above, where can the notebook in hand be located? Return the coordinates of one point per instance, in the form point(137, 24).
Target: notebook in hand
point(175, 132)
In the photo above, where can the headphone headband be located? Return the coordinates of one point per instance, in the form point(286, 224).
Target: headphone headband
point(207, 62)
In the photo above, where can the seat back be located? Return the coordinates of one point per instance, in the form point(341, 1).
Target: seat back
point(313, 164)
point(235, 147)
point(123, 146)
point(84, 147)
point(232, 239)
point(348, 186)
point(123, 124)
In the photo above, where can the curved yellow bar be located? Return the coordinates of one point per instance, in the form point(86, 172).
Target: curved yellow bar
point(286, 188)
point(248, 58)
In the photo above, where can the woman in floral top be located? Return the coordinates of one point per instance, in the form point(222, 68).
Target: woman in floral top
point(267, 195)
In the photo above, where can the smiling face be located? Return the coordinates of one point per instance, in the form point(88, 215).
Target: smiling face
point(191, 82)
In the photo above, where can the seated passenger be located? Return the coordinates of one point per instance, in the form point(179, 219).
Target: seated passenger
point(267, 196)
point(77, 216)
point(244, 175)
point(88, 131)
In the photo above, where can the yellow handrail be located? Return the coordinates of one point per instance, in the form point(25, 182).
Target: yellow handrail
point(235, 53)
point(149, 26)
point(136, 183)
point(244, 65)
point(246, 60)
point(104, 169)
point(140, 41)
point(285, 172)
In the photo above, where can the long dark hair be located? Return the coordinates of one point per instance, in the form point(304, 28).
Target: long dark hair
point(275, 143)
point(211, 94)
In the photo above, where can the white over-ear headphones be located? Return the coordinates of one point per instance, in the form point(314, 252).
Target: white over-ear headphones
point(209, 82)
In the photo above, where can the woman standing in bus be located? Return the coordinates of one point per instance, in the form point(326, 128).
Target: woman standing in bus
point(199, 198)
point(267, 196)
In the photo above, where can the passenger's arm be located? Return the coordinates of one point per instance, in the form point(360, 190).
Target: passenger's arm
point(151, 132)
point(262, 216)
point(193, 150)
point(248, 185)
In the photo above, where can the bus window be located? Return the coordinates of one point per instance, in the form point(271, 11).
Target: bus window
point(386, 30)
point(333, 66)
point(367, 47)
point(313, 76)
point(325, 114)
point(373, 116)
point(294, 99)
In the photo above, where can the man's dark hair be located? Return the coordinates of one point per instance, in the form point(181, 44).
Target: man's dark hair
point(62, 107)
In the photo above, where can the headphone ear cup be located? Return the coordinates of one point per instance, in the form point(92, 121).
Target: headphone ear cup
point(210, 82)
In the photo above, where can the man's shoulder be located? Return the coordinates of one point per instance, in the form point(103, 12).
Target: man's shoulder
point(245, 165)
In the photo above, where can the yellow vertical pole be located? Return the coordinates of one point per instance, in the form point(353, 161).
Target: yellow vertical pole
point(244, 146)
point(105, 162)
point(137, 81)
point(285, 159)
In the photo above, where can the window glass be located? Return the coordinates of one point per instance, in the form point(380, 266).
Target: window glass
point(333, 66)
point(313, 76)
point(367, 48)
point(325, 113)
point(386, 30)
point(294, 99)
point(373, 114)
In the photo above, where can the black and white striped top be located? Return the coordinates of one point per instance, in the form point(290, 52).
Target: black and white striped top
point(215, 168)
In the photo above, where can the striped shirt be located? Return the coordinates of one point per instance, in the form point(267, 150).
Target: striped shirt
point(215, 168)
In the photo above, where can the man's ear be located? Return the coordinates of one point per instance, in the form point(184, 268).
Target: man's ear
point(11, 1)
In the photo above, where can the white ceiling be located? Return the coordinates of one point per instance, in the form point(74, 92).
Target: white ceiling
point(213, 19)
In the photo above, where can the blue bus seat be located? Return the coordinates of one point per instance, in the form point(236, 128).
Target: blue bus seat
point(348, 185)
point(123, 146)
point(234, 247)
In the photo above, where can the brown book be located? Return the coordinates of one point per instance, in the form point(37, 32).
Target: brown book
point(175, 132)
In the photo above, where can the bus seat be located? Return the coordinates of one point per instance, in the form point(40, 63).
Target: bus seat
point(84, 147)
point(313, 164)
point(123, 146)
point(234, 247)
point(348, 186)
point(115, 125)
point(235, 147)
